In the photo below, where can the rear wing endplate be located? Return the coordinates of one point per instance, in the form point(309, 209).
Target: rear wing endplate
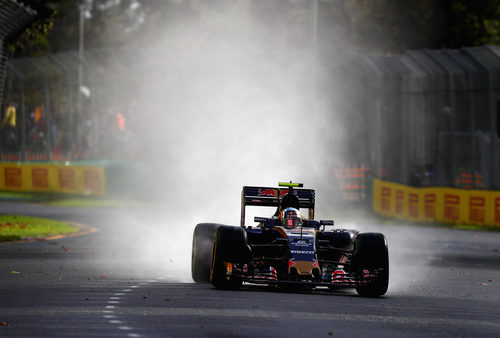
point(271, 197)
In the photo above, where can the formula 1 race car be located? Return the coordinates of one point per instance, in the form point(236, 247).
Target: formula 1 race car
point(288, 250)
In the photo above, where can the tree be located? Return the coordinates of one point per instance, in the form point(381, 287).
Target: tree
point(366, 25)
point(395, 25)
point(34, 40)
point(472, 23)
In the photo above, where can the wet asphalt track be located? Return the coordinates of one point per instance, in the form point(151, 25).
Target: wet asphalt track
point(444, 283)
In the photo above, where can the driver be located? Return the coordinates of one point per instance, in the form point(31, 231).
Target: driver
point(290, 218)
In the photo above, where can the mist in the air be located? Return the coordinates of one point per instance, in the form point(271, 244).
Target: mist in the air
point(228, 107)
point(226, 100)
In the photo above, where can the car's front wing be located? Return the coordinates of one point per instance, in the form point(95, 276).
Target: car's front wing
point(340, 279)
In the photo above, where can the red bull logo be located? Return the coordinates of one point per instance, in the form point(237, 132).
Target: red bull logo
point(272, 192)
point(268, 192)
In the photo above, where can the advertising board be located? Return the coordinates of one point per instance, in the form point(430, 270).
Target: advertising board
point(447, 205)
point(73, 179)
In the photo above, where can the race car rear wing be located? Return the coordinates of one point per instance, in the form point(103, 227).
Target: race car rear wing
point(272, 197)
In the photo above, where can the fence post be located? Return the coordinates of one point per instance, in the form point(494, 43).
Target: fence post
point(69, 95)
point(21, 109)
point(493, 109)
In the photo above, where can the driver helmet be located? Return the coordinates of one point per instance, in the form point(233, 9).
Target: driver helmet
point(290, 218)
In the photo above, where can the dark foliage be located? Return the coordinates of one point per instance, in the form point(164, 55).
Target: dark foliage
point(368, 25)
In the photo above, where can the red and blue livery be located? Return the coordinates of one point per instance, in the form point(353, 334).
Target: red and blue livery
point(288, 249)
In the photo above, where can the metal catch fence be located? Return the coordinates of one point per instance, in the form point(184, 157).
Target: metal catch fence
point(425, 117)
point(61, 118)
point(433, 116)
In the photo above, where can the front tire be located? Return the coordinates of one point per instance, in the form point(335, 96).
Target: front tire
point(371, 252)
point(201, 254)
point(229, 248)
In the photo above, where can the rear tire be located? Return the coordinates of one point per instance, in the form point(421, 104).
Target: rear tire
point(371, 252)
point(230, 247)
point(201, 254)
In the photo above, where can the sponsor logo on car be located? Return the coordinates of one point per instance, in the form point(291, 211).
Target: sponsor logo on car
point(272, 192)
point(302, 243)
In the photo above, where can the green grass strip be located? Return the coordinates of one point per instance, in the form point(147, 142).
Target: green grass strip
point(67, 200)
point(15, 227)
point(91, 202)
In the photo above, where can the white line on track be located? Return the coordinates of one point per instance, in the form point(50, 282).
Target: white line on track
point(115, 298)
